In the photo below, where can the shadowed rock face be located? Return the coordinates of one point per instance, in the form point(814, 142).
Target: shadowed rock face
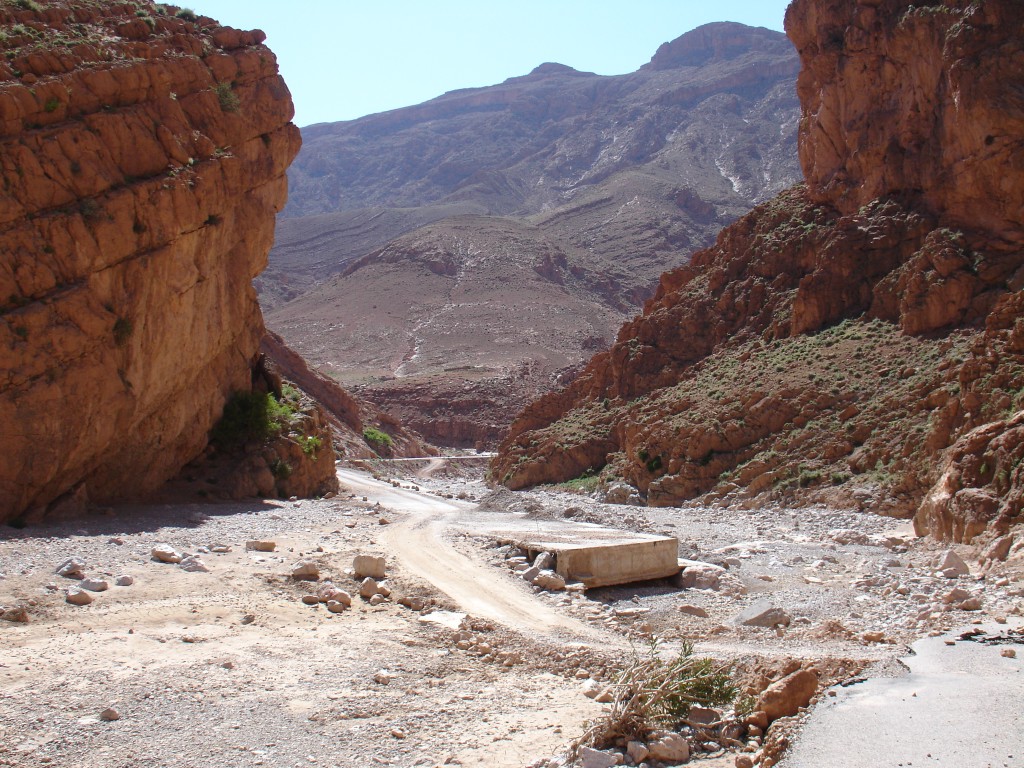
point(143, 164)
point(836, 341)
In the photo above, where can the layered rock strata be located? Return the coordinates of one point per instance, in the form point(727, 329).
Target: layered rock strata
point(142, 157)
point(838, 339)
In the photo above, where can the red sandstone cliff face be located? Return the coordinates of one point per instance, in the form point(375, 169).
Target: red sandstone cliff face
point(142, 162)
point(838, 339)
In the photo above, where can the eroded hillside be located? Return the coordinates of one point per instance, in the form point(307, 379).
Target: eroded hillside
point(559, 189)
point(836, 341)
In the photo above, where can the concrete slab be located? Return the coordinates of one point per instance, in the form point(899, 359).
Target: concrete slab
point(592, 554)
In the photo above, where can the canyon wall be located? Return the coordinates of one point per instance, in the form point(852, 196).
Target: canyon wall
point(858, 338)
point(142, 157)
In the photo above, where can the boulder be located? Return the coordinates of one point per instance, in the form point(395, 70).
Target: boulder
point(368, 565)
point(785, 697)
point(256, 545)
point(77, 596)
point(193, 564)
point(165, 553)
point(595, 758)
point(762, 614)
point(549, 580)
point(696, 574)
point(72, 568)
point(305, 570)
point(94, 585)
point(951, 562)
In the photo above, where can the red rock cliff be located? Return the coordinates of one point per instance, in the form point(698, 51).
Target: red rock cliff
point(143, 159)
point(840, 340)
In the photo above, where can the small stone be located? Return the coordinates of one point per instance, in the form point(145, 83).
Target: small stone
point(377, 599)
point(310, 600)
point(671, 748)
point(383, 521)
point(874, 636)
point(193, 564)
point(397, 733)
point(76, 596)
point(335, 606)
point(116, 540)
point(258, 545)
point(109, 714)
point(763, 614)
point(744, 761)
point(124, 581)
point(17, 614)
point(545, 561)
point(549, 580)
point(382, 678)
point(693, 610)
point(73, 568)
point(249, 618)
point(305, 570)
point(970, 604)
point(165, 553)
point(784, 697)
point(1008, 653)
point(94, 585)
point(595, 758)
point(220, 549)
point(591, 688)
point(368, 588)
point(530, 573)
point(951, 561)
point(637, 751)
point(368, 565)
point(413, 603)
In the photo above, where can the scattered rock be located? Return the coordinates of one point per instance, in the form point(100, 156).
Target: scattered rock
point(109, 714)
point(670, 748)
point(72, 568)
point(784, 697)
point(530, 573)
point(17, 613)
point(545, 561)
point(124, 580)
point(193, 564)
point(220, 549)
point(368, 565)
point(549, 580)
point(595, 758)
point(693, 610)
point(257, 545)
point(701, 575)
point(637, 752)
point(305, 570)
point(165, 553)
point(94, 585)
point(368, 588)
point(77, 596)
point(763, 614)
point(1008, 653)
point(310, 600)
point(952, 563)
point(377, 599)
point(413, 602)
point(382, 678)
point(336, 606)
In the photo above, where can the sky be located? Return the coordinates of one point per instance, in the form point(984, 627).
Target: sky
point(343, 59)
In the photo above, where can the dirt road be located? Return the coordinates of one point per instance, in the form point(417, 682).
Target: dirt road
point(420, 543)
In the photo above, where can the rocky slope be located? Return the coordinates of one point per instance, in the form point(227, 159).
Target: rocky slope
point(143, 161)
point(601, 183)
point(836, 341)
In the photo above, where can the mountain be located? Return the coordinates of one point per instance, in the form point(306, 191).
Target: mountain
point(857, 339)
point(578, 190)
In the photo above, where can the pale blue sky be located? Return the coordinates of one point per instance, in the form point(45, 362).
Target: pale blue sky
point(344, 59)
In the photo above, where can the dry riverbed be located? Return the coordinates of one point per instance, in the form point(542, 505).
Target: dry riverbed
point(228, 666)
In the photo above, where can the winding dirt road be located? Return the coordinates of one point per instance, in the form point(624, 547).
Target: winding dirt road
point(420, 544)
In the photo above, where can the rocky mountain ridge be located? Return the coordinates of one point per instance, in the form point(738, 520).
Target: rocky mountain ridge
point(577, 189)
point(836, 342)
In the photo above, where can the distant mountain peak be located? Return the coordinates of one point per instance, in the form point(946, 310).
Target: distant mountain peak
point(718, 41)
point(548, 69)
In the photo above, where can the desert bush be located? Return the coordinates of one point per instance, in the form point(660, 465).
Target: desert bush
point(377, 438)
point(229, 101)
point(652, 694)
point(249, 417)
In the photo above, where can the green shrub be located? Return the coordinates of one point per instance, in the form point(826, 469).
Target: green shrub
point(377, 438)
point(187, 14)
point(280, 469)
point(229, 101)
point(28, 5)
point(52, 104)
point(249, 417)
point(310, 444)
